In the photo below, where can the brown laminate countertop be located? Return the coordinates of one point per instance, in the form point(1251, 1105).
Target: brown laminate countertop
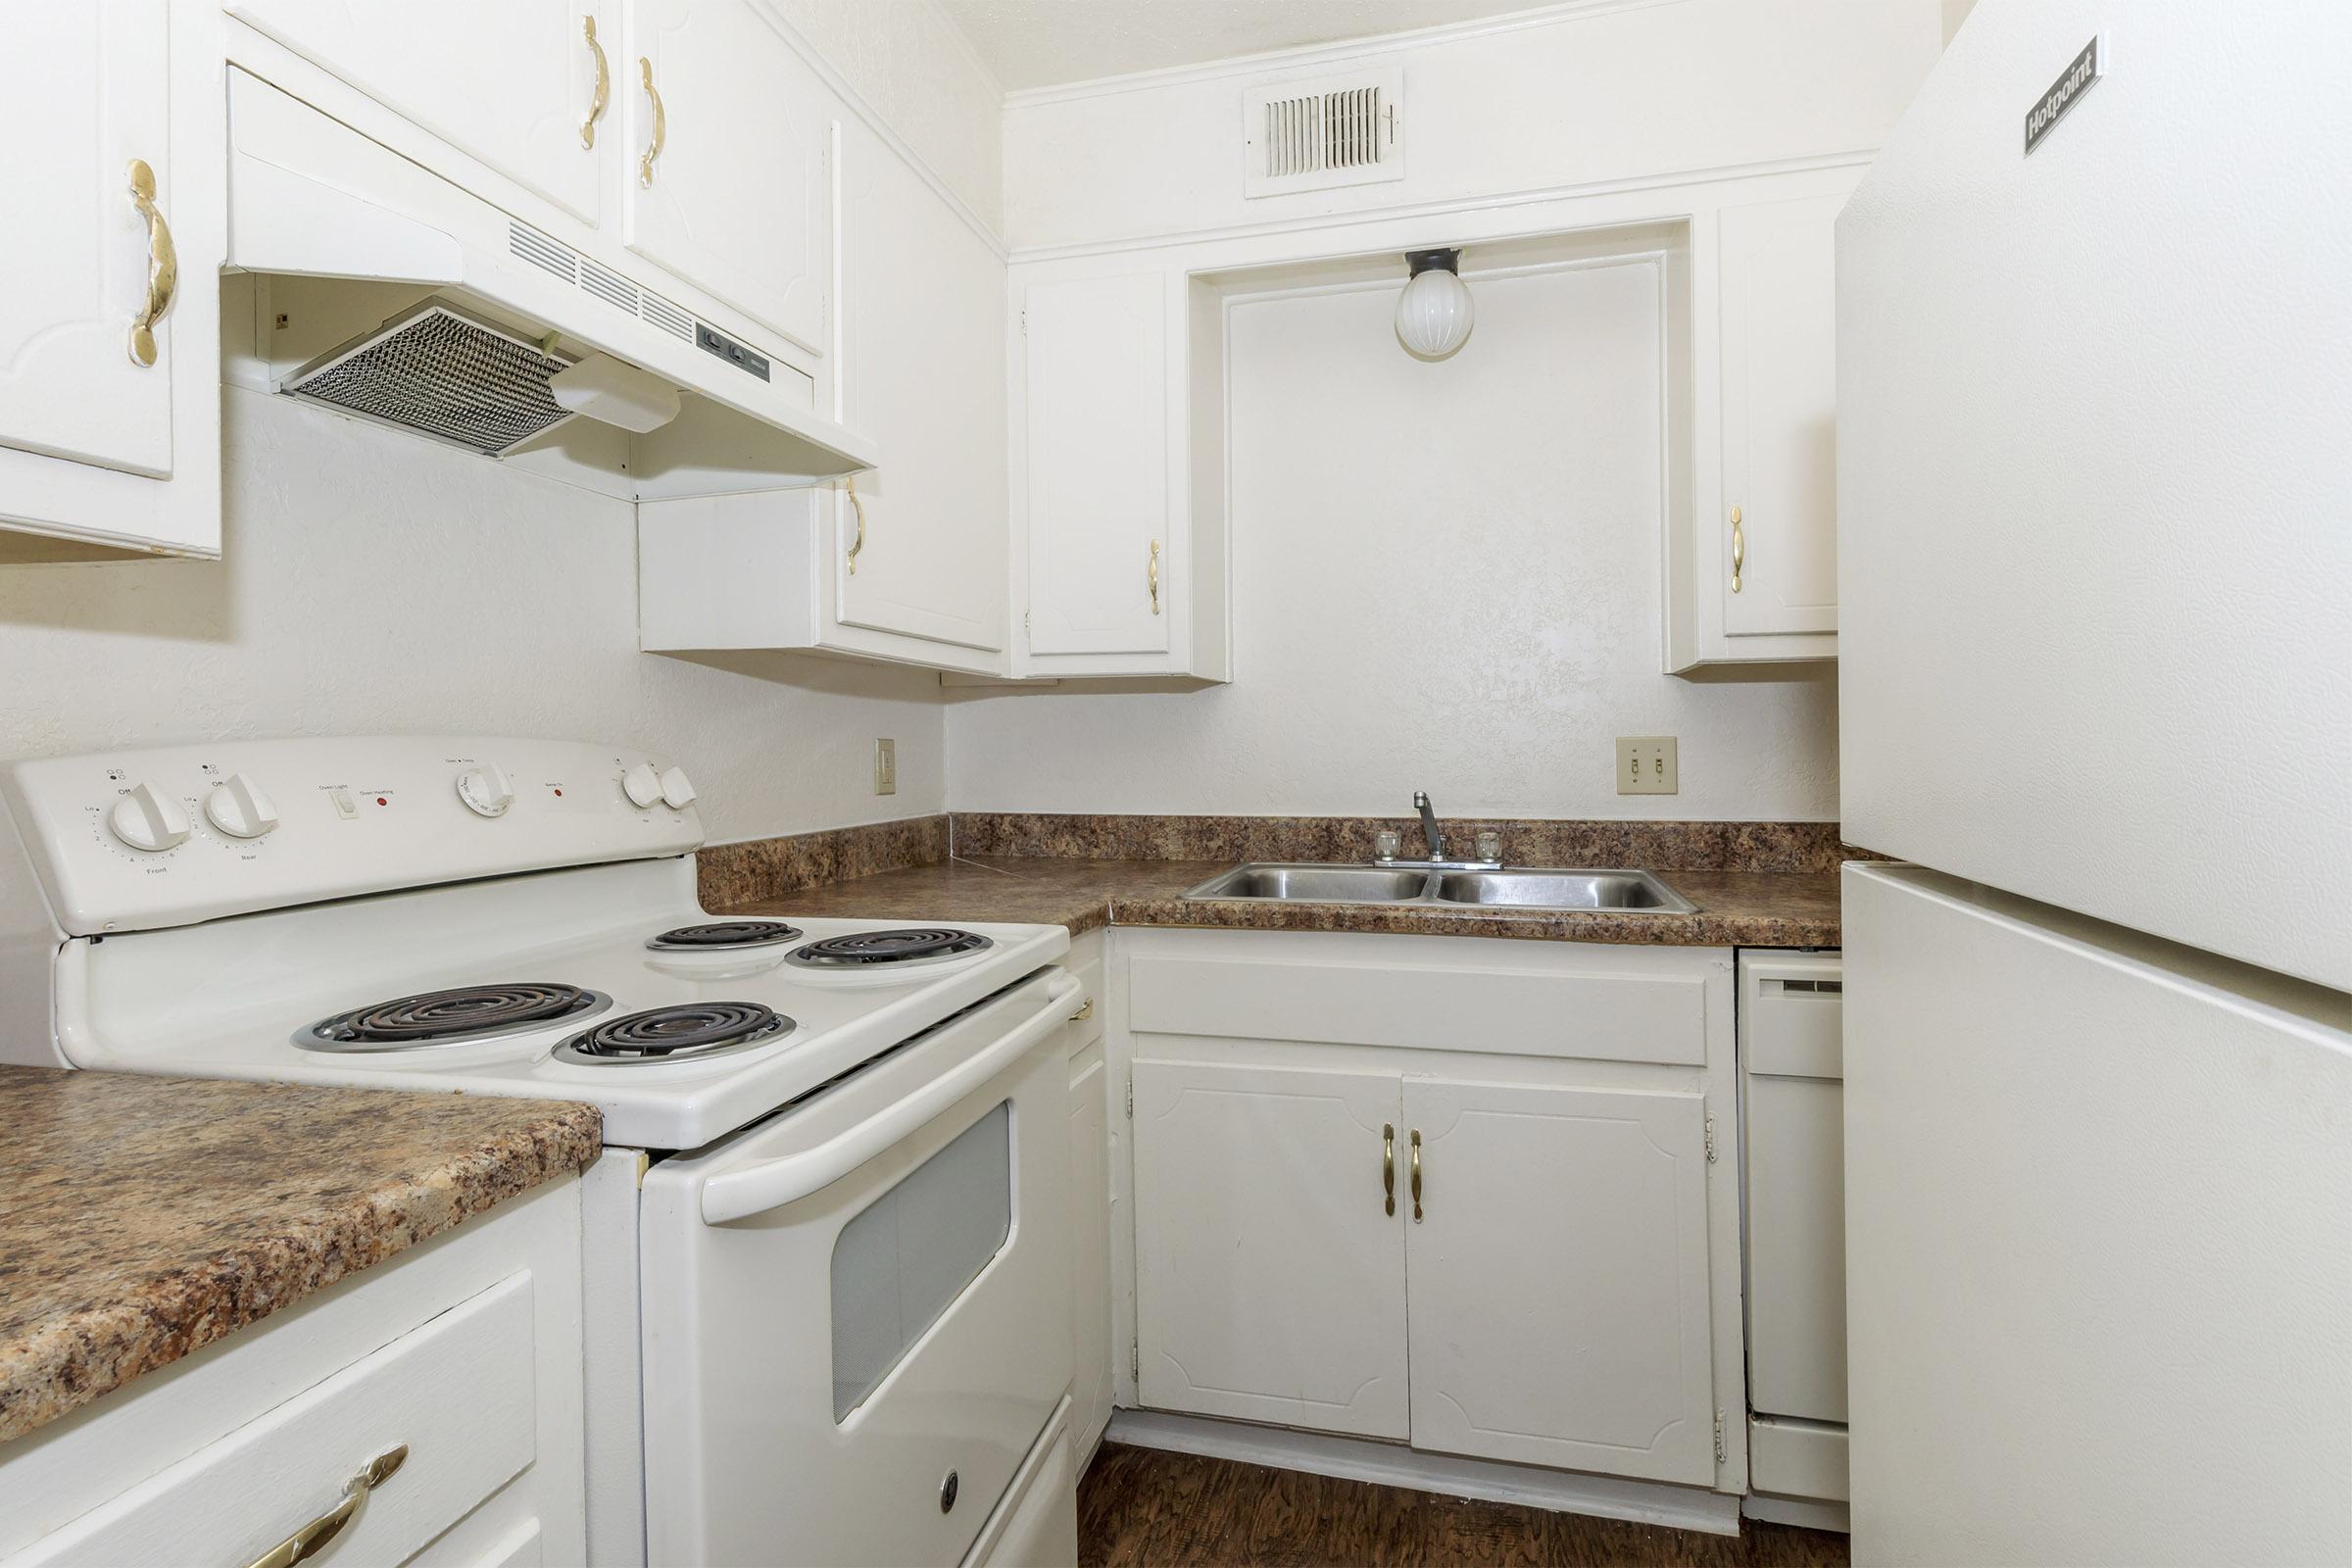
point(1736, 908)
point(142, 1218)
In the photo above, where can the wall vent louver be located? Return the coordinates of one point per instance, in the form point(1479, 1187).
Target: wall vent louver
point(1317, 134)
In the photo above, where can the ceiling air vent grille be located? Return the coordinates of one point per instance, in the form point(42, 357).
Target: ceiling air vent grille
point(1315, 135)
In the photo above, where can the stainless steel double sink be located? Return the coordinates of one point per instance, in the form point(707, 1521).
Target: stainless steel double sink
point(1512, 887)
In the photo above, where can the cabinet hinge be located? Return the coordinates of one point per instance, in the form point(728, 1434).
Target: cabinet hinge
point(1024, 323)
point(1131, 1097)
point(1719, 1450)
point(1711, 1160)
point(1135, 1360)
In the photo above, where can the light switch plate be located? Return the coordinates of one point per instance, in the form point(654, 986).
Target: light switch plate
point(886, 767)
point(1645, 765)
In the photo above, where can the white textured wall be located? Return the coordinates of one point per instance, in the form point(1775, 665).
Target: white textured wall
point(1445, 578)
point(374, 582)
point(912, 67)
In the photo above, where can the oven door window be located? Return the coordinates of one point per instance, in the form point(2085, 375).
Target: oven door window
point(900, 1265)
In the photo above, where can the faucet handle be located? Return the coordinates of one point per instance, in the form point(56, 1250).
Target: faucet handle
point(1385, 844)
point(1490, 844)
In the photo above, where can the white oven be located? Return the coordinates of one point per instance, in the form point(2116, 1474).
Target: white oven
point(856, 1314)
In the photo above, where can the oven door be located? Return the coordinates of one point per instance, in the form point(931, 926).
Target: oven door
point(857, 1314)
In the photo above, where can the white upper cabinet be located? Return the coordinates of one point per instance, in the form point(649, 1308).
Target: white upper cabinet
point(1751, 558)
point(905, 562)
point(514, 85)
point(921, 549)
point(1557, 1274)
point(1780, 416)
point(110, 341)
point(728, 140)
point(1101, 569)
point(1269, 1258)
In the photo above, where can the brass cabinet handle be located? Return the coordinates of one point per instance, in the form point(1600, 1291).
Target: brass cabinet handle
point(1085, 1012)
point(856, 506)
point(311, 1539)
point(163, 263)
point(1388, 1165)
point(1416, 1175)
point(652, 148)
point(603, 84)
point(1738, 548)
point(1154, 576)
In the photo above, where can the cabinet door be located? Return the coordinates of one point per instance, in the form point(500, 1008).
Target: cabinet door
point(93, 94)
point(510, 84)
point(923, 374)
point(736, 199)
point(1101, 562)
point(1090, 1249)
point(1780, 416)
point(102, 447)
point(1269, 1276)
point(1559, 1278)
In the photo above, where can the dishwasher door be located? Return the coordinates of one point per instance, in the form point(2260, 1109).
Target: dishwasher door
point(1792, 1007)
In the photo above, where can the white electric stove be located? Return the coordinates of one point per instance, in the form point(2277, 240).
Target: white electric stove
point(824, 1135)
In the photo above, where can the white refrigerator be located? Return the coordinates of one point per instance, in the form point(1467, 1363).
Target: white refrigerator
point(2095, 559)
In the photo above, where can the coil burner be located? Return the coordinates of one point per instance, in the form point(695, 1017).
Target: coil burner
point(866, 952)
point(455, 1017)
point(721, 936)
point(692, 1031)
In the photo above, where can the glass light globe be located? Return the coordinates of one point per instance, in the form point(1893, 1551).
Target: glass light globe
point(1433, 314)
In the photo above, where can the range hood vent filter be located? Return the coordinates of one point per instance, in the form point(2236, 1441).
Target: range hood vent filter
point(438, 372)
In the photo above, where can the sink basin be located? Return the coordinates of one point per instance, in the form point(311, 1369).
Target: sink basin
point(1515, 888)
point(1316, 884)
point(1535, 888)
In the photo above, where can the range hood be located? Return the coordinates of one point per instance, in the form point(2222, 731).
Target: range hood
point(396, 297)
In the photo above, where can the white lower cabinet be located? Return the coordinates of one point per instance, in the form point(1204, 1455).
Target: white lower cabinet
point(1474, 1195)
point(1091, 1200)
point(450, 1376)
point(1270, 1277)
point(1556, 1277)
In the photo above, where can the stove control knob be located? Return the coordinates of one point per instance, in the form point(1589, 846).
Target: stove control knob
point(485, 789)
point(146, 820)
point(676, 788)
point(642, 785)
point(238, 807)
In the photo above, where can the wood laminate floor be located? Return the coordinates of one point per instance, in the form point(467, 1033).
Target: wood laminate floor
point(1143, 1508)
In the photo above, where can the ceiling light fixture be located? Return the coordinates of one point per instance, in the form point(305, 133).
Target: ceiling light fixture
point(1432, 314)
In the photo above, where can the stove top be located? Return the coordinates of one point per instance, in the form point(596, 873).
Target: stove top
point(549, 985)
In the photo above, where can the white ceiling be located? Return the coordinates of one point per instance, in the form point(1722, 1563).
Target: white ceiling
point(1037, 43)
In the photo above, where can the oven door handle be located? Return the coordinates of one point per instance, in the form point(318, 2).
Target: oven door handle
point(774, 1183)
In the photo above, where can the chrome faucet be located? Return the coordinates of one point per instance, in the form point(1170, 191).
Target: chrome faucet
point(1386, 845)
point(1429, 825)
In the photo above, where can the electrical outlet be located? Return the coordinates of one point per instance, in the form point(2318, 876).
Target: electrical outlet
point(886, 767)
point(1645, 765)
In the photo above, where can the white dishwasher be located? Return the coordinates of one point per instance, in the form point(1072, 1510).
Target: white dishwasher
point(1792, 1099)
